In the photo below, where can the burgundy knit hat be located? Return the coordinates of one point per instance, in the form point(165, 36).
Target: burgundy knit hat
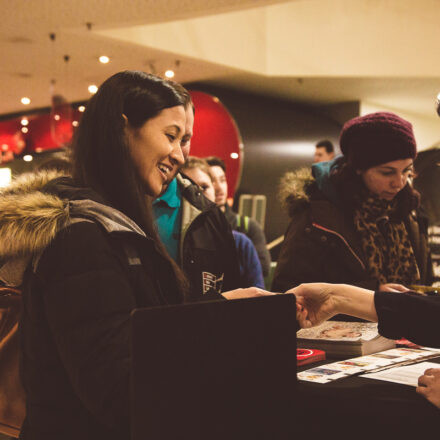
point(376, 138)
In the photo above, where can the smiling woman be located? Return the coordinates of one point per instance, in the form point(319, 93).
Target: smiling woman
point(355, 221)
point(93, 255)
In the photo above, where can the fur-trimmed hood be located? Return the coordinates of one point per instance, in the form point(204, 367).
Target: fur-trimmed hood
point(298, 188)
point(294, 189)
point(31, 217)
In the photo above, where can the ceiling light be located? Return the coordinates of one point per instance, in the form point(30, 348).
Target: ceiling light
point(92, 89)
point(25, 100)
point(57, 117)
point(234, 155)
point(104, 59)
point(5, 147)
point(81, 108)
point(75, 123)
point(169, 74)
point(28, 158)
point(24, 121)
point(24, 129)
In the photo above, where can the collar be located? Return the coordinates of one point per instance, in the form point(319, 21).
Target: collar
point(171, 196)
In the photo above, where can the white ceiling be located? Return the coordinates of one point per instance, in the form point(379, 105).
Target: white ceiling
point(385, 53)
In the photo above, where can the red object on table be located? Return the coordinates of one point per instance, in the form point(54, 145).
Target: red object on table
point(306, 356)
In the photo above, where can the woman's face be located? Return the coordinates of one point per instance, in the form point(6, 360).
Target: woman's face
point(387, 179)
point(203, 180)
point(156, 148)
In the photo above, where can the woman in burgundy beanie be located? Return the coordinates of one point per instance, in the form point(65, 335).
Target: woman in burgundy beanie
point(354, 219)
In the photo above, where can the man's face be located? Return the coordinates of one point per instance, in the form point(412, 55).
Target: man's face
point(189, 124)
point(220, 185)
point(321, 155)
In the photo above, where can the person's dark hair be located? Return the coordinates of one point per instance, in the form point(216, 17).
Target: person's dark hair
point(101, 158)
point(214, 161)
point(325, 144)
point(351, 189)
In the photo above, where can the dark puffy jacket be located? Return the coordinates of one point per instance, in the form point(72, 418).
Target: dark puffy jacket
point(83, 279)
point(321, 244)
point(207, 248)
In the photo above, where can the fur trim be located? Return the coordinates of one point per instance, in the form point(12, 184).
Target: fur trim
point(29, 182)
point(29, 219)
point(293, 189)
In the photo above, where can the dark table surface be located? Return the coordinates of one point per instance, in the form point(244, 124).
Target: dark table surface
point(367, 407)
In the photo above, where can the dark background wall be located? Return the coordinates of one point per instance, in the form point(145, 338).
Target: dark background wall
point(278, 136)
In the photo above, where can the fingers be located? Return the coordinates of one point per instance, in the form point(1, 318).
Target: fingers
point(250, 292)
point(432, 372)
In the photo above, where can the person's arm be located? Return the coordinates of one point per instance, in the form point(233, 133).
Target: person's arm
point(87, 303)
point(399, 314)
point(323, 301)
point(409, 315)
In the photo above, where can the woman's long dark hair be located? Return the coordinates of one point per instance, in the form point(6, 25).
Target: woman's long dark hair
point(101, 158)
point(351, 189)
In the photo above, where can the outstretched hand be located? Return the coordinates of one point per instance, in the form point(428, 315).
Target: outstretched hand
point(315, 303)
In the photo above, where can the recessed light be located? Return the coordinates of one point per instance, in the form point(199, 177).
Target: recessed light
point(81, 108)
point(57, 117)
point(75, 123)
point(25, 100)
point(104, 59)
point(92, 89)
point(234, 155)
point(28, 158)
point(169, 74)
point(24, 129)
point(24, 121)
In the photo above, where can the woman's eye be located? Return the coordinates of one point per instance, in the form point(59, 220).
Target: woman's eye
point(171, 137)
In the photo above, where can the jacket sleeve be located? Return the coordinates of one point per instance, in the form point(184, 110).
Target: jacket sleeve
point(257, 236)
point(289, 271)
point(409, 315)
point(87, 303)
point(309, 255)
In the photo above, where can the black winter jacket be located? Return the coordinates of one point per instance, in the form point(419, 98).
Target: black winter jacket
point(208, 254)
point(321, 243)
point(83, 279)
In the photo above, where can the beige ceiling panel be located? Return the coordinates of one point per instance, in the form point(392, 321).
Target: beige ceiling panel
point(236, 39)
point(354, 38)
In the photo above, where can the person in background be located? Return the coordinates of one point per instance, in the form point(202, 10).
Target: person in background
point(249, 226)
point(92, 254)
point(324, 151)
point(250, 267)
point(195, 232)
point(354, 220)
point(399, 314)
